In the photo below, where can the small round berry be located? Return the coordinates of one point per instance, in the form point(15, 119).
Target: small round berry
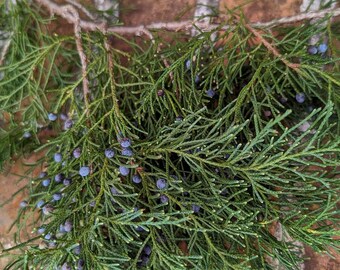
point(210, 93)
point(179, 118)
point(125, 142)
point(127, 152)
point(65, 266)
point(67, 182)
point(42, 175)
point(46, 182)
point(48, 236)
point(59, 177)
point(57, 196)
point(84, 171)
point(161, 183)
point(57, 157)
point(188, 64)
point(283, 100)
point(27, 135)
point(80, 264)
point(52, 244)
point(41, 230)
point(145, 259)
point(23, 204)
point(68, 226)
point(76, 152)
point(62, 228)
point(40, 203)
point(312, 50)
point(124, 171)
point(136, 179)
point(114, 191)
point(267, 113)
point(164, 198)
point(226, 156)
point(47, 209)
point(68, 124)
point(109, 153)
point(197, 79)
point(300, 97)
point(160, 93)
point(196, 208)
point(147, 250)
point(322, 48)
point(63, 116)
point(52, 117)
point(77, 250)
point(92, 204)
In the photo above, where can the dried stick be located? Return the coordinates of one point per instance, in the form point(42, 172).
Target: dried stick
point(82, 56)
point(175, 26)
point(272, 48)
point(82, 8)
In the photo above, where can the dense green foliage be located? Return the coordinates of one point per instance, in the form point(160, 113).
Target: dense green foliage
point(225, 131)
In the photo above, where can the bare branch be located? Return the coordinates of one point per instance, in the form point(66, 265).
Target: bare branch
point(82, 8)
point(175, 26)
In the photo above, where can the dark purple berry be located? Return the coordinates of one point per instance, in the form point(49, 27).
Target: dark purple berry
point(210, 93)
point(125, 142)
point(160, 93)
point(161, 183)
point(124, 171)
point(47, 209)
point(109, 153)
point(164, 198)
point(127, 152)
point(147, 250)
point(42, 175)
point(300, 97)
point(67, 182)
point(196, 208)
point(84, 171)
point(68, 226)
point(63, 117)
point(68, 124)
point(52, 117)
point(66, 267)
point(76, 152)
point(59, 177)
point(80, 264)
point(136, 179)
point(312, 50)
point(179, 118)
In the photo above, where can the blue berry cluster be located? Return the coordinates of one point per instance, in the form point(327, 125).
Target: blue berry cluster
point(313, 49)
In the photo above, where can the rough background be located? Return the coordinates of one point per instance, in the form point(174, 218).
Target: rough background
point(135, 12)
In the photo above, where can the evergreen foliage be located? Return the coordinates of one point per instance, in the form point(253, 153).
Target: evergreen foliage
point(179, 167)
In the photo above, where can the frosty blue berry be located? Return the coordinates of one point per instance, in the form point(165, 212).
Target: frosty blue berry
point(109, 153)
point(76, 153)
point(68, 226)
point(124, 171)
point(46, 182)
point(127, 152)
point(300, 97)
point(147, 250)
point(52, 117)
point(136, 179)
point(196, 208)
point(125, 142)
point(23, 204)
point(322, 48)
point(57, 157)
point(42, 174)
point(57, 196)
point(67, 182)
point(40, 203)
point(161, 183)
point(48, 236)
point(41, 230)
point(84, 171)
point(27, 135)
